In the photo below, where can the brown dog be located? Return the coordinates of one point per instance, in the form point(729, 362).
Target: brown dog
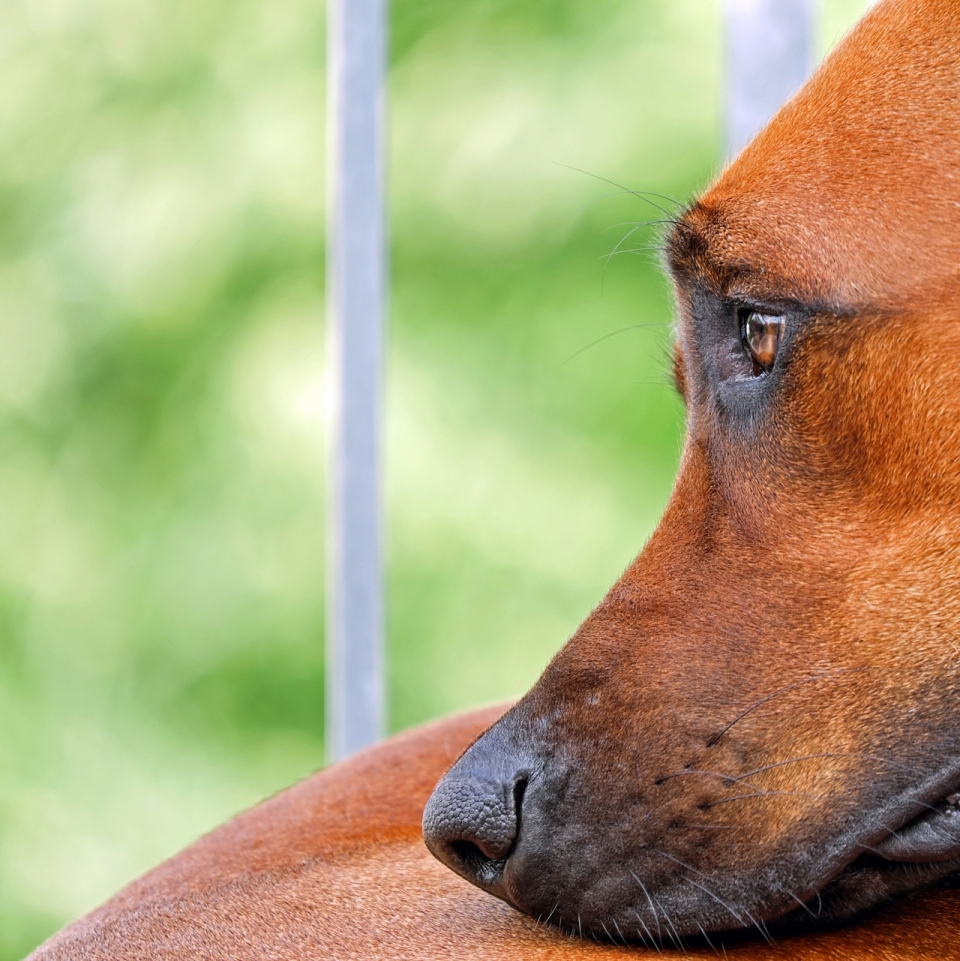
point(755, 730)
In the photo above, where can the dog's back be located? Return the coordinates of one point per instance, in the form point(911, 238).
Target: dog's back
point(846, 210)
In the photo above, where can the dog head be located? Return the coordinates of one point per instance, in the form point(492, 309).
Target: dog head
point(759, 722)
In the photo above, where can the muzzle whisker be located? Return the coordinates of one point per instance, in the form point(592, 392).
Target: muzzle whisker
point(764, 933)
point(653, 940)
point(706, 890)
point(832, 754)
point(801, 903)
point(743, 797)
point(719, 900)
point(613, 921)
point(783, 690)
point(650, 902)
point(674, 935)
point(734, 778)
point(706, 937)
point(683, 864)
point(716, 827)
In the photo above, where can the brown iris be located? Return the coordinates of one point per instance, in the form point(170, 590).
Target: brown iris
point(762, 334)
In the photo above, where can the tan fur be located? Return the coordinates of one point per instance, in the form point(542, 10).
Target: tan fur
point(334, 868)
point(839, 524)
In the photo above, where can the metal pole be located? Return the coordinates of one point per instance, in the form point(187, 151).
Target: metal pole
point(356, 286)
point(770, 51)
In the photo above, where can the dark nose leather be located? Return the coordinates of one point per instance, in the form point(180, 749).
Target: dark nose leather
point(473, 811)
point(472, 820)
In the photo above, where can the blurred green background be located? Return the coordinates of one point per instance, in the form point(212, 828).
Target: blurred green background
point(161, 386)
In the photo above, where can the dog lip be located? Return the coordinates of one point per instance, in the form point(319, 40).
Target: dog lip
point(932, 836)
point(884, 864)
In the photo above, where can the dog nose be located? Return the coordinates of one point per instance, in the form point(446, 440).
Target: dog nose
point(472, 821)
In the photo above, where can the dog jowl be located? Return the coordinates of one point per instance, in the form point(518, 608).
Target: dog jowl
point(759, 724)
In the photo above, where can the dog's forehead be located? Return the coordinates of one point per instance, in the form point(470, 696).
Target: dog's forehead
point(851, 195)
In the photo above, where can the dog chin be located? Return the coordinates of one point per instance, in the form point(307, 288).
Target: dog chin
point(861, 889)
point(865, 887)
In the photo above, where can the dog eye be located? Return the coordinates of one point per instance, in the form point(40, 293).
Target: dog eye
point(761, 335)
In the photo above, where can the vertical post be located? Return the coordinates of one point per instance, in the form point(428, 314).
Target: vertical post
point(769, 51)
point(356, 287)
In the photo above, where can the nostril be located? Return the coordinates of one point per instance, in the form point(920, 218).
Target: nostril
point(485, 870)
point(472, 824)
point(519, 789)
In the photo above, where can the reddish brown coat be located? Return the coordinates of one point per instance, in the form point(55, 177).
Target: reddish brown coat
point(843, 530)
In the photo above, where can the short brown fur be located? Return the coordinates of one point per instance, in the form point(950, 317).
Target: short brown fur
point(834, 517)
point(335, 868)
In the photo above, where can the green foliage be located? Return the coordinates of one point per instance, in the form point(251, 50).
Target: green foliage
point(161, 364)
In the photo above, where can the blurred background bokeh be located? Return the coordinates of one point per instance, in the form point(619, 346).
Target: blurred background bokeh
point(161, 385)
